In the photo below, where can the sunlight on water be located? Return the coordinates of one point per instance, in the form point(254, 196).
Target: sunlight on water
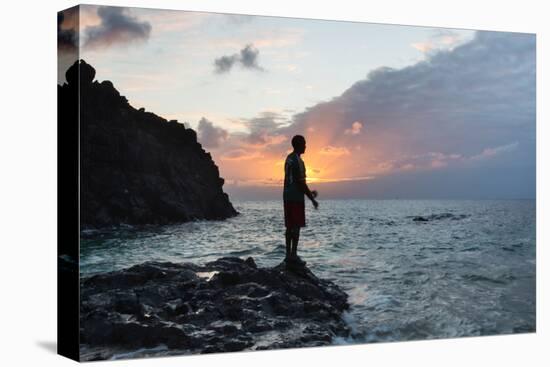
point(468, 270)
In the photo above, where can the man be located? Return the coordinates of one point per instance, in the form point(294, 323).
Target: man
point(293, 197)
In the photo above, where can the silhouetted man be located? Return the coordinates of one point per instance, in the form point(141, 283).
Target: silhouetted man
point(295, 188)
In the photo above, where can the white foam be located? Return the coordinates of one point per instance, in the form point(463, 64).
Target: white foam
point(138, 353)
point(207, 274)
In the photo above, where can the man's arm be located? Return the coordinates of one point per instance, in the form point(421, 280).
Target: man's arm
point(308, 192)
point(301, 181)
point(306, 189)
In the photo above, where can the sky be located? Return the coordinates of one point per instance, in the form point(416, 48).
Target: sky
point(388, 111)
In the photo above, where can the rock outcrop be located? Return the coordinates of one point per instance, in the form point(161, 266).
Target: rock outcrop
point(226, 305)
point(136, 167)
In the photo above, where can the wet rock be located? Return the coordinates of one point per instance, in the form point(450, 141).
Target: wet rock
point(185, 309)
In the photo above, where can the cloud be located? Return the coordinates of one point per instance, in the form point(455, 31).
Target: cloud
point(178, 21)
point(67, 41)
point(488, 153)
point(240, 155)
point(263, 129)
point(225, 63)
point(438, 160)
point(466, 113)
point(247, 58)
point(446, 36)
point(441, 39)
point(266, 121)
point(419, 162)
point(67, 36)
point(423, 46)
point(479, 94)
point(239, 19)
point(334, 151)
point(355, 128)
point(458, 109)
point(263, 139)
point(116, 26)
point(209, 135)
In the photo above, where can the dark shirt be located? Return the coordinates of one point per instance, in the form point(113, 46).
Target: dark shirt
point(295, 171)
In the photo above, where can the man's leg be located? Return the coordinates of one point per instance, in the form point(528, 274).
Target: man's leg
point(288, 239)
point(295, 239)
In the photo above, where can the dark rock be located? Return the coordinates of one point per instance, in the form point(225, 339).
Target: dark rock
point(225, 305)
point(236, 345)
point(420, 219)
point(67, 265)
point(136, 167)
point(250, 262)
point(80, 69)
point(257, 325)
point(439, 216)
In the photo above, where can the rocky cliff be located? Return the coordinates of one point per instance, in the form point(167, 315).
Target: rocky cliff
point(230, 304)
point(136, 167)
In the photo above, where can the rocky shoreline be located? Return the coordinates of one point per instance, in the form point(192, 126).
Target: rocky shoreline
point(162, 308)
point(135, 166)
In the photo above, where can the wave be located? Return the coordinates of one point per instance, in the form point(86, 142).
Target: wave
point(439, 216)
point(142, 352)
point(481, 278)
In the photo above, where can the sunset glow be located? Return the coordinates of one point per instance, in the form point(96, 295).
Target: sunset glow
point(376, 103)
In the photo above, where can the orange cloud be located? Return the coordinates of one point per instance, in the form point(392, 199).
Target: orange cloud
point(355, 128)
point(334, 151)
point(240, 155)
point(423, 46)
point(415, 124)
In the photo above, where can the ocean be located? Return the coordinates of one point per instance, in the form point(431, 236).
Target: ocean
point(465, 268)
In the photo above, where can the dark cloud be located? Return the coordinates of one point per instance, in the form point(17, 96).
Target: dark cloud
point(266, 121)
point(67, 37)
point(225, 63)
point(116, 27)
point(459, 111)
point(211, 136)
point(247, 58)
point(480, 94)
point(264, 127)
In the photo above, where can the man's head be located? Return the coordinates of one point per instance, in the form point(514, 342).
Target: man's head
point(299, 144)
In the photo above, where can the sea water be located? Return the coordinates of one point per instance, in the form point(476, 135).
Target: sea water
point(468, 270)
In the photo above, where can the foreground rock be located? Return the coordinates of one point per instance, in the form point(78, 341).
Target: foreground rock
point(135, 166)
point(227, 305)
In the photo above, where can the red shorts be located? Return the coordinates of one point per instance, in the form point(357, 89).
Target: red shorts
point(295, 214)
